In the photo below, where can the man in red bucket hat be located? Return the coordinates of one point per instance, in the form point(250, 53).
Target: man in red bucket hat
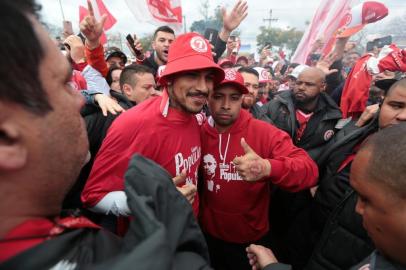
point(168, 121)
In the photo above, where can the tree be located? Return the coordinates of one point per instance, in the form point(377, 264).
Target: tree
point(290, 38)
point(146, 42)
point(215, 22)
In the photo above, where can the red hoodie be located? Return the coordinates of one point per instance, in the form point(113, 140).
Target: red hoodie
point(172, 141)
point(235, 210)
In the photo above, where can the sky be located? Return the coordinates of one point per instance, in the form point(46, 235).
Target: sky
point(292, 13)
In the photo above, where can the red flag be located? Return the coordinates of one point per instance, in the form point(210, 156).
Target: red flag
point(110, 18)
point(356, 89)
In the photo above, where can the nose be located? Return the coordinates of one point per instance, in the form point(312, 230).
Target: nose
point(401, 115)
point(202, 84)
point(226, 104)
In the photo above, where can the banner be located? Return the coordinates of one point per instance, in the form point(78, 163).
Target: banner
point(157, 12)
point(324, 25)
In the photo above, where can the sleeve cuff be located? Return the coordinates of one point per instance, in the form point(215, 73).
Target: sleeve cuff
point(276, 168)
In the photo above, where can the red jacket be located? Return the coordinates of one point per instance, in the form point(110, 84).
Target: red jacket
point(173, 141)
point(235, 210)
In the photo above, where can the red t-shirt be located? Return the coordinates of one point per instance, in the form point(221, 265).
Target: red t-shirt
point(303, 119)
point(172, 141)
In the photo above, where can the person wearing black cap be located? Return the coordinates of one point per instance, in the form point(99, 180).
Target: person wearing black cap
point(115, 57)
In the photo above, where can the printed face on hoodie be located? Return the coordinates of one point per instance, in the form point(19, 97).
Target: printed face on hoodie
point(225, 106)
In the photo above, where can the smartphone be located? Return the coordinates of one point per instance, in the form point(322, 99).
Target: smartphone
point(211, 35)
point(131, 41)
point(370, 46)
point(380, 42)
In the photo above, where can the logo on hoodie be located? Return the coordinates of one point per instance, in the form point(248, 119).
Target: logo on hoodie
point(187, 163)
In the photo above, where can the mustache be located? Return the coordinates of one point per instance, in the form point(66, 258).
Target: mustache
point(197, 93)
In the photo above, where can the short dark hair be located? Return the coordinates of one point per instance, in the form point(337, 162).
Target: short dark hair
point(109, 76)
point(248, 70)
point(387, 164)
point(401, 83)
point(127, 77)
point(165, 29)
point(22, 55)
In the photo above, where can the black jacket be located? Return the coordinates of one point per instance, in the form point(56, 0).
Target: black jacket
point(281, 110)
point(259, 114)
point(97, 126)
point(342, 240)
point(163, 235)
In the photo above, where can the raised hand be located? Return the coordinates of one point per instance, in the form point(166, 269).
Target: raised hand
point(324, 63)
point(251, 167)
point(91, 28)
point(233, 19)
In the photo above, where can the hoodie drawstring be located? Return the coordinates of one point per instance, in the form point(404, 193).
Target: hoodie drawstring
point(223, 158)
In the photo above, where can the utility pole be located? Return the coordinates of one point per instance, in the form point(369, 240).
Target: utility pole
point(270, 19)
point(184, 24)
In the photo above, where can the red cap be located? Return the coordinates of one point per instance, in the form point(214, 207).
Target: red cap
point(225, 61)
point(234, 78)
point(188, 52)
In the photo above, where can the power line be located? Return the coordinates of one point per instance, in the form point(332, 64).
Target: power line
point(270, 19)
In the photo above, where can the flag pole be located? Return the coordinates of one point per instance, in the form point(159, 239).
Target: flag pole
point(63, 15)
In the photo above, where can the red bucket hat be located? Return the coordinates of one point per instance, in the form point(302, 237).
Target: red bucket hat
point(234, 78)
point(190, 51)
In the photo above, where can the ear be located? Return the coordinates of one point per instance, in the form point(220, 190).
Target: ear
point(13, 153)
point(127, 89)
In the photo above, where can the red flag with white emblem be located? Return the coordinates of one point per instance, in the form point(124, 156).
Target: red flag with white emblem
point(157, 12)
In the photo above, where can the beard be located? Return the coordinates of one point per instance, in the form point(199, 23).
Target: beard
point(302, 101)
point(248, 101)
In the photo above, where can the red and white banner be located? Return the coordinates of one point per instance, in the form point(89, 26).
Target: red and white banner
point(157, 12)
point(324, 25)
point(99, 10)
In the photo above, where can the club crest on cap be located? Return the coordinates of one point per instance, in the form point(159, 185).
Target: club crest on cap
point(198, 44)
point(230, 75)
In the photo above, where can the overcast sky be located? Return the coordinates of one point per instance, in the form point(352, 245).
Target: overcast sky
point(292, 13)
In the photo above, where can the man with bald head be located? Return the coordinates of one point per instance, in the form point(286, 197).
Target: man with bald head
point(309, 116)
point(306, 113)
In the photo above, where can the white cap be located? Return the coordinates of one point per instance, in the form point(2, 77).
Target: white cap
point(297, 70)
point(264, 75)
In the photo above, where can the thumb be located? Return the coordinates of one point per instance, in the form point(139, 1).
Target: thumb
point(179, 179)
point(246, 147)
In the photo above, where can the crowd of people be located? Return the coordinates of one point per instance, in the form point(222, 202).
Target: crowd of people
point(196, 157)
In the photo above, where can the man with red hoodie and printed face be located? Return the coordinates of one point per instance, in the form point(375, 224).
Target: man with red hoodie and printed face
point(169, 120)
point(248, 155)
